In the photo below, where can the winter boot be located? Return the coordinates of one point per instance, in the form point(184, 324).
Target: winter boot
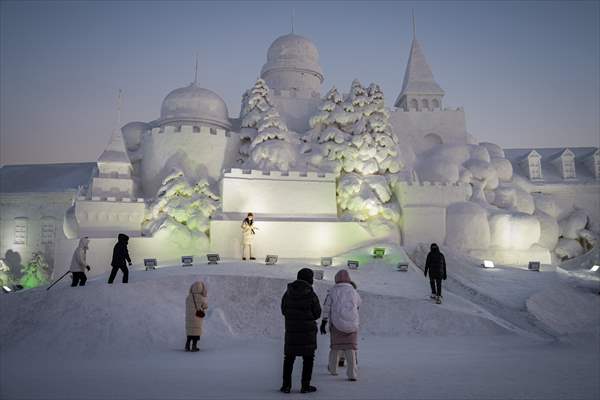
point(252, 258)
point(285, 389)
point(308, 389)
point(187, 344)
point(243, 258)
point(195, 346)
point(438, 300)
point(432, 296)
point(341, 362)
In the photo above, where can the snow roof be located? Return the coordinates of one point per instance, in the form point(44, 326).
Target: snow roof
point(44, 178)
point(418, 78)
point(550, 172)
point(115, 152)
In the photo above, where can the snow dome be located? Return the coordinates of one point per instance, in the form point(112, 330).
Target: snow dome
point(293, 63)
point(197, 104)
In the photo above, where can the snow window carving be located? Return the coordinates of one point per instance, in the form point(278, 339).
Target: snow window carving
point(435, 103)
point(425, 104)
point(535, 168)
point(568, 167)
point(48, 230)
point(21, 230)
point(196, 129)
point(414, 104)
point(213, 131)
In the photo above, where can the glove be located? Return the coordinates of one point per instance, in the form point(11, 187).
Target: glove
point(130, 263)
point(87, 267)
point(323, 329)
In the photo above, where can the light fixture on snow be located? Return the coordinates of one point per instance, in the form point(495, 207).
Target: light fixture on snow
point(595, 268)
point(402, 267)
point(326, 261)
point(271, 259)
point(150, 263)
point(213, 258)
point(352, 264)
point(187, 261)
point(487, 264)
point(534, 266)
point(378, 252)
point(318, 274)
point(6, 289)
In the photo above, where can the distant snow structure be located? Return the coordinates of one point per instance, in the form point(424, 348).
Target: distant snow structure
point(181, 212)
point(352, 137)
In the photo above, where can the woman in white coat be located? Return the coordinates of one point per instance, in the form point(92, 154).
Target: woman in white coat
point(79, 263)
point(195, 306)
point(341, 311)
point(248, 232)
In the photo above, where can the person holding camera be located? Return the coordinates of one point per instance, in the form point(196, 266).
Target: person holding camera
point(195, 308)
point(79, 263)
point(248, 232)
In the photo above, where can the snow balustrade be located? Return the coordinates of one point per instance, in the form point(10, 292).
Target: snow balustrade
point(188, 128)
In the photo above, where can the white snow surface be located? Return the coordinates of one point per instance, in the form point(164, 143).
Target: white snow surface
point(494, 328)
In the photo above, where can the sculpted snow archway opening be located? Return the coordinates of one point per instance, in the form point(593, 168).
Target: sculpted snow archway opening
point(432, 139)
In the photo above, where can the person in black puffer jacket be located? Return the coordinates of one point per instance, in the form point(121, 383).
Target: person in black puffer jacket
point(300, 307)
point(436, 265)
point(120, 259)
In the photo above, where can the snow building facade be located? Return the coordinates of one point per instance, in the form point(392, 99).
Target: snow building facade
point(323, 173)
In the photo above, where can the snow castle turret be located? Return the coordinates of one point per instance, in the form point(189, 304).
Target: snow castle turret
point(293, 73)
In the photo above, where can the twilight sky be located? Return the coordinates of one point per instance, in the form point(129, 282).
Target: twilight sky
point(526, 73)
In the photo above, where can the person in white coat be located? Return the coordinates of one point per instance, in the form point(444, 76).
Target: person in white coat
point(341, 311)
point(248, 232)
point(79, 264)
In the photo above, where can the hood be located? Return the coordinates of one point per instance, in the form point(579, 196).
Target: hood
point(84, 243)
point(299, 288)
point(199, 287)
point(123, 238)
point(342, 276)
point(434, 248)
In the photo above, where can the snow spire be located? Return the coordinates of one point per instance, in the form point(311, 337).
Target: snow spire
point(419, 87)
point(414, 26)
point(115, 151)
point(196, 71)
point(292, 20)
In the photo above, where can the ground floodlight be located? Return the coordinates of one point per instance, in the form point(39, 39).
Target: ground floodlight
point(326, 261)
point(16, 288)
point(487, 264)
point(271, 259)
point(150, 263)
point(595, 268)
point(6, 289)
point(213, 258)
point(534, 266)
point(402, 267)
point(187, 261)
point(318, 274)
point(352, 264)
point(378, 252)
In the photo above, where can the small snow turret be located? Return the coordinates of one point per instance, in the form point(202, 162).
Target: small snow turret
point(419, 91)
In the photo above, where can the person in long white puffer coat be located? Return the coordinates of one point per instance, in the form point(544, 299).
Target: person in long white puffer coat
point(195, 301)
point(79, 263)
point(341, 311)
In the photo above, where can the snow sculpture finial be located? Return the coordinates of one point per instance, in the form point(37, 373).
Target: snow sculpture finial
point(414, 26)
point(292, 20)
point(119, 104)
point(196, 70)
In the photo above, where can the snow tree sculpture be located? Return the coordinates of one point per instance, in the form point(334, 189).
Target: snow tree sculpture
point(256, 101)
point(353, 138)
point(36, 272)
point(5, 275)
point(182, 210)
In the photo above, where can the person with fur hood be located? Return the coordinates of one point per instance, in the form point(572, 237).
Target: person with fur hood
point(195, 307)
point(79, 264)
point(436, 265)
point(301, 308)
point(341, 311)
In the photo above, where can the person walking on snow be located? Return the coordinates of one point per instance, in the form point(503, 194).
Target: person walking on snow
point(79, 263)
point(301, 309)
point(341, 311)
point(195, 307)
point(120, 259)
point(436, 265)
point(248, 232)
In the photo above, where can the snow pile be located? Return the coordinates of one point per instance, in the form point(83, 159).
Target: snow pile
point(352, 137)
point(267, 144)
point(576, 235)
point(181, 212)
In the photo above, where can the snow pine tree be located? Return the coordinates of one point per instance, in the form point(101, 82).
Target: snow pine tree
point(181, 211)
point(36, 272)
point(353, 138)
point(256, 101)
point(274, 147)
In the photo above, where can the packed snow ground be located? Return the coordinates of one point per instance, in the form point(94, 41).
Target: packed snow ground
point(502, 333)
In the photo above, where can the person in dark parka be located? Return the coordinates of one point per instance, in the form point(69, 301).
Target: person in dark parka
point(436, 265)
point(300, 307)
point(120, 259)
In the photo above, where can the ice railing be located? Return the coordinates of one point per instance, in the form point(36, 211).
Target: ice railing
point(292, 175)
point(431, 110)
point(187, 129)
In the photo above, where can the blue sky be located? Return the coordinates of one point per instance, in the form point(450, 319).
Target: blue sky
point(526, 73)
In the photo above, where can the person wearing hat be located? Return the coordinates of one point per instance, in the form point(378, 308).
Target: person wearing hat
point(301, 309)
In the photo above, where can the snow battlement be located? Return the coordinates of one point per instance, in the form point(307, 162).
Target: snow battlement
point(201, 129)
point(428, 110)
point(279, 175)
point(292, 94)
point(111, 199)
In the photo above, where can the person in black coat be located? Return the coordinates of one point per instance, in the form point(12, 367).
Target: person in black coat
point(120, 259)
point(300, 307)
point(436, 265)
